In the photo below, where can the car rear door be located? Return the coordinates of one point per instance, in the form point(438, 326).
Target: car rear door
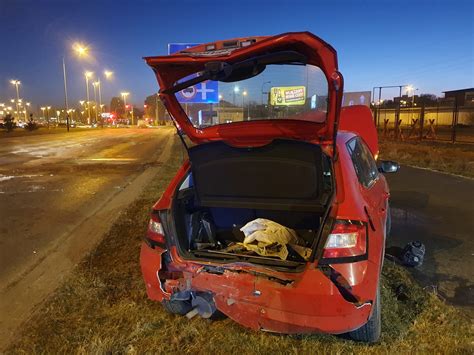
point(372, 186)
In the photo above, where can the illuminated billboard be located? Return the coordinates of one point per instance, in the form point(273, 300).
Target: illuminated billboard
point(287, 95)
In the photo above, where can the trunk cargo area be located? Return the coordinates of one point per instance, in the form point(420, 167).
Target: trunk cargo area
point(288, 182)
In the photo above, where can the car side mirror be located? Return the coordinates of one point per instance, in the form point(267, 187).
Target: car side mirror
point(388, 166)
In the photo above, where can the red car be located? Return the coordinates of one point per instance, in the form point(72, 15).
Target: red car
point(268, 141)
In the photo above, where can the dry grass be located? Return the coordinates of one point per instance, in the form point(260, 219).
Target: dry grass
point(452, 158)
point(103, 308)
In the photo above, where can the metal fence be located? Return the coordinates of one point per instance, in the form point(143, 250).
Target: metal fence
point(445, 121)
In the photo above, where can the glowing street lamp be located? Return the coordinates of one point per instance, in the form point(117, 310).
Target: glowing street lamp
point(124, 97)
point(108, 74)
point(244, 93)
point(80, 49)
point(235, 91)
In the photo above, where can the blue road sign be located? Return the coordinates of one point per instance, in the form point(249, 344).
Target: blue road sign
point(176, 47)
point(205, 92)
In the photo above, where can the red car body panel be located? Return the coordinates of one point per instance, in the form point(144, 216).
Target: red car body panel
point(358, 119)
point(309, 301)
point(261, 298)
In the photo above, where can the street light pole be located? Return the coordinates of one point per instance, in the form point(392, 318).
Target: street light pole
point(87, 75)
point(244, 94)
point(47, 114)
point(94, 85)
point(376, 118)
point(100, 95)
point(81, 102)
point(235, 91)
point(108, 76)
point(100, 102)
point(65, 94)
point(266, 82)
point(16, 83)
point(124, 98)
point(27, 104)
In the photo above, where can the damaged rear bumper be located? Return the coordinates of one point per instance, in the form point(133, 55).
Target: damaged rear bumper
point(307, 302)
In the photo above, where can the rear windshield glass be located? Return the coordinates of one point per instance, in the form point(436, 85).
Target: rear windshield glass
point(283, 91)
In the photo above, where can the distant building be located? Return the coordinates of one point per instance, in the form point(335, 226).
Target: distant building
point(464, 97)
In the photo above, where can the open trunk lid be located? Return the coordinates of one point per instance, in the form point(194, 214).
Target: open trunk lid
point(224, 61)
point(284, 175)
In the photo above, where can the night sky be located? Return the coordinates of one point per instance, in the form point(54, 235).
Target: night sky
point(429, 44)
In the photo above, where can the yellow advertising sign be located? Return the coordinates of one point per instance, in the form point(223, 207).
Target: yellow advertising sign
point(287, 95)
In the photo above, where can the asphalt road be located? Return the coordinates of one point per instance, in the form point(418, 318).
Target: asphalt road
point(58, 194)
point(48, 184)
point(438, 210)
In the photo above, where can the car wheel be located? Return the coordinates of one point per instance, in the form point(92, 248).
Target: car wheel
point(370, 331)
point(177, 307)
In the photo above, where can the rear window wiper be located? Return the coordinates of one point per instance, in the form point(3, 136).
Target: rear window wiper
point(223, 71)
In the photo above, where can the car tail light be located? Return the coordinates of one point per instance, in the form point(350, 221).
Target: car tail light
point(155, 230)
point(347, 239)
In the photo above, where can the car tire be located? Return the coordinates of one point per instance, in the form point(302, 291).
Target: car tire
point(177, 307)
point(370, 331)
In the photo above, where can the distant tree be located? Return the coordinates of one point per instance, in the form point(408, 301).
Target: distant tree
point(152, 102)
point(117, 105)
point(428, 99)
point(137, 113)
point(9, 122)
point(31, 125)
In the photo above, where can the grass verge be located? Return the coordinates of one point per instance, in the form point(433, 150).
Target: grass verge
point(103, 308)
point(451, 158)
